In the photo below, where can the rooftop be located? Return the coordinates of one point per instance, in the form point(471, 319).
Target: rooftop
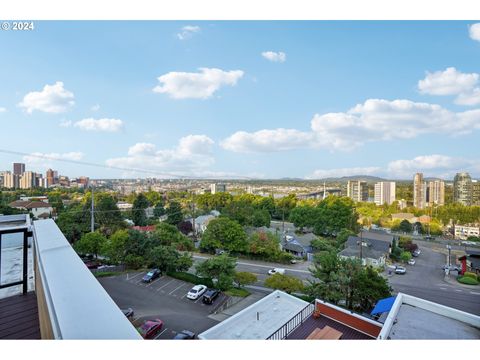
point(259, 320)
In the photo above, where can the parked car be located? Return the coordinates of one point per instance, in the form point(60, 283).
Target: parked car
point(411, 262)
point(276, 271)
point(185, 335)
point(128, 313)
point(150, 328)
point(293, 261)
point(210, 295)
point(196, 292)
point(106, 267)
point(92, 264)
point(400, 270)
point(416, 253)
point(452, 267)
point(151, 275)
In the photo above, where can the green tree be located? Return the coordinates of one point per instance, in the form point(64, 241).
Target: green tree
point(164, 258)
point(303, 216)
point(223, 233)
point(174, 213)
point(405, 256)
point(322, 244)
point(115, 247)
point(159, 209)
point(405, 226)
point(221, 268)
point(285, 283)
point(184, 262)
point(335, 214)
point(139, 215)
point(244, 278)
point(91, 243)
point(261, 218)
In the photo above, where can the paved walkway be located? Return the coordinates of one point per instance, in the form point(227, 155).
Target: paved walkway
point(238, 306)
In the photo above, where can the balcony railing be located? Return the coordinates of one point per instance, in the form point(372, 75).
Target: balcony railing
point(293, 323)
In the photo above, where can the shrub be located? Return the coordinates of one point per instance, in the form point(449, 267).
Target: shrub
point(467, 280)
point(191, 278)
point(237, 292)
point(306, 298)
point(107, 274)
point(470, 275)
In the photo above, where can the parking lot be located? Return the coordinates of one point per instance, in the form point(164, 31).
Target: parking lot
point(165, 299)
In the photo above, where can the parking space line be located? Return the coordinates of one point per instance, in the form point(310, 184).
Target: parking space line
point(198, 299)
point(156, 337)
point(161, 287)
point(474, 293)
point(458, 290)
point(133, 277)
point(442, 288)
point(170, 293)
point(154, 281)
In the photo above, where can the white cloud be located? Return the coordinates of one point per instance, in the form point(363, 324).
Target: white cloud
point(52, 99)
point(275, 56)
point(474, 31)
point(374, 120)
point(45, 160)
point(431, 165)
point(326, 173)
point(267, 140)
point(200, 85)
point(2, 109)
point(192, 154)
point(107, 125)
point(188, 31)
point(447, 82)
point(452, 82)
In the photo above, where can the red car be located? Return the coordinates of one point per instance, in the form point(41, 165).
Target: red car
point(150, 328)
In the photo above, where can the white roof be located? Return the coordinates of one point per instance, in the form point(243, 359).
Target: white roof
point(273, 311)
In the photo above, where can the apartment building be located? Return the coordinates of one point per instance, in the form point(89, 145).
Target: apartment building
point(385, 192)
point(357, 190)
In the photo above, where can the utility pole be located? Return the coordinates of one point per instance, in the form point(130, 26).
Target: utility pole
point(193, 219)
point(361, 246)
point(92, 217)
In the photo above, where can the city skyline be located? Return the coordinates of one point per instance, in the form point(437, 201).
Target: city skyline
point(335, 94)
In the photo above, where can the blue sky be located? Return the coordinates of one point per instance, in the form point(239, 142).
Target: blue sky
point(268, 99)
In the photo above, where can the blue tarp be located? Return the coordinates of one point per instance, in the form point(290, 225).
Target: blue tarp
point(383, 305)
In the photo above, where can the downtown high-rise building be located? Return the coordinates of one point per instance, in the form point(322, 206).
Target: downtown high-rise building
point(419, 191)
point(475, 192)
point(384, 192)
point(357, 190)
point(10, 180)
point(463, 189)
point(28, 180)
point(217, 188)
point(435, 192)
point(18, 168)
point(50, 177)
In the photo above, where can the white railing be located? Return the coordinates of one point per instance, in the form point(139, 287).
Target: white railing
point(72, 303)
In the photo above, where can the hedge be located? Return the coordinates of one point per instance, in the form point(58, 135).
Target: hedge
point(470, 275)
point(237, 292)
point(191, 278)
point(467, 280)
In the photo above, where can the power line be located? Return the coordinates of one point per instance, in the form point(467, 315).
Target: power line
point(86, 163)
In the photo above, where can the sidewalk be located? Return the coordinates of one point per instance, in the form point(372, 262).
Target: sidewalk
point(451, 279)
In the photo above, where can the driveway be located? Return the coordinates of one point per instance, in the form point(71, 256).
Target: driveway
point(425, 279)
point(163, 298)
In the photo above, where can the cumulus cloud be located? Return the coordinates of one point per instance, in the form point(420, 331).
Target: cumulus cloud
point(107, 125)
point(474, 31)
point(193, 153)
point(45, 160)
point(275, 56)
point(187, 32)
point(452, 82)
point(2, 109)
point(326, 173)
point(374, 120)
point(52, 99)
point(431, 165)
point(200, 85)
point(267, 140)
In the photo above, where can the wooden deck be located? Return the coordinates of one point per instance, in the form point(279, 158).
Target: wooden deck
point(19, 317)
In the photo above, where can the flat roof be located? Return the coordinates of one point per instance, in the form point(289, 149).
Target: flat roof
point(416, 323)
point(273, 312)
point(11, 222)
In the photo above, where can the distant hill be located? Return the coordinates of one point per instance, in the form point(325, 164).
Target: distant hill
point(367, 178)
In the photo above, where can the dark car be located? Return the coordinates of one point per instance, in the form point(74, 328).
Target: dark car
point(151, 275)
point(184, 335)
point(150, 328)
point(210, 295)
point(128, 313)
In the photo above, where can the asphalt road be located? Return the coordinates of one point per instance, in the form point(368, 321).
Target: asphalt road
point(425, 279)
point(164, 299)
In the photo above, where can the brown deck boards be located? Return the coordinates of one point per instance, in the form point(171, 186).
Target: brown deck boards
point(19, 317)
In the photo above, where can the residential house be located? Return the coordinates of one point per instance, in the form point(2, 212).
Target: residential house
point(370, 251)
point(202, 221)
point(39, 209)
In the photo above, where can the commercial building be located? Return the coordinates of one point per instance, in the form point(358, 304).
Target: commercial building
point(419, 191)
point(28, 180)
point(18, 168)
point(462, 232)
point(357, 190)
point(475, 192)
point(11, 181)
point(463, 189)
point(50, 176)
point(436, 193)
point(385, 192)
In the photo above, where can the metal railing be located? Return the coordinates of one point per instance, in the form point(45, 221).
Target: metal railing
point(293, 323)
point(26, 234)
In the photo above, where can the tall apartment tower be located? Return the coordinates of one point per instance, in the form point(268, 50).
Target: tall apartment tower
point(419, 191)
point(216, 188)
point(385, 192)
point(28, 180)
point(357, 190)
point(50, 176)
point(462, 189)
point(436, 192)
point(18, 168)
point(475, 192)
point(11, 181)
